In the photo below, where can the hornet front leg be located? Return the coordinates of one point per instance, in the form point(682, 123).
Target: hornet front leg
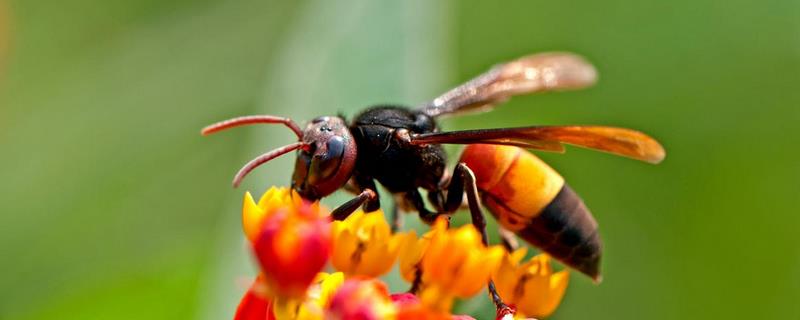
point(368, 197)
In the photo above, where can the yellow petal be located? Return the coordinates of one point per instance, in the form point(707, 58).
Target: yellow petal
point(354, 220)
point(316, 207)
point(269, 194)
point(274, 197)
point(438, 264)
point(376, 260)
point(376, 225)
point(435, 298)
point(505, 278)
point(329, 286)
point(336, 228)
point(410, 253)
point(519, 254)
point(285, 309)
point(364, 245)
point(477, 270)
point(344, 247)
point(541, 295)
point(471, 277)
point(293, 196)
point(467, 235)
point(546, 267)
point(539, 265)
point(446, 259)
point(252, 217)
point(313, 305)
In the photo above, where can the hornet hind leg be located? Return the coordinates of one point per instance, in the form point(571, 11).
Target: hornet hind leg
point(463, 182)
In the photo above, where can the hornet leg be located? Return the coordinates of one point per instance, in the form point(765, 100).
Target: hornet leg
point(397, 217)
point(454, 200)
point(467, 178)
point(508, 238)
point(463, 181)
point(368, 197)
point(415, 200)
point(344, 211)
point(364, 182)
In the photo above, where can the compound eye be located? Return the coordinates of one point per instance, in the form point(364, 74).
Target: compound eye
point(326, 163)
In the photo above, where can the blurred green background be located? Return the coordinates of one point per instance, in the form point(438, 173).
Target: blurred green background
point(112, 206)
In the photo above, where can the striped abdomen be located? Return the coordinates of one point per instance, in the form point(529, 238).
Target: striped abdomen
point(531, 199)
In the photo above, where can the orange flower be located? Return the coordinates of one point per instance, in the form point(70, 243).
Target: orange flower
point(292, 242)
point(412, 249)
point(456, 264)
point(363, 245)
point(533, 288)
point(254, 214)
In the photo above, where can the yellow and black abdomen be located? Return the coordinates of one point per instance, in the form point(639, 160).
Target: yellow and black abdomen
point(531, 199)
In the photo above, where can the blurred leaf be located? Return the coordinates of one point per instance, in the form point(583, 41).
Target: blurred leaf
point(106, 179)
point(4, 38)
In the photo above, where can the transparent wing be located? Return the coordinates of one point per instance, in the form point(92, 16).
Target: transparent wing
point(551, 71)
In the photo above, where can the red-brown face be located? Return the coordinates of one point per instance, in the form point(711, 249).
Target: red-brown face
point(327, 163)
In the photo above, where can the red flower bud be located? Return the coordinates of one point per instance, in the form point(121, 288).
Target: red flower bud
point(293, 245)
point(361, 300)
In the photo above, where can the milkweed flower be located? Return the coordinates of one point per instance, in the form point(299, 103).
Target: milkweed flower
point(291, 239)
point(362, 299)
point(533, 288)
point(253, 214)
point(364, 245)
point(456, 264)
point(313, 305)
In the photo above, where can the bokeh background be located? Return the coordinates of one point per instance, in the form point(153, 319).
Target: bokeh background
point(112, 206)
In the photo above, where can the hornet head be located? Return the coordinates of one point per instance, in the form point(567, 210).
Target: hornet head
point(326, 153)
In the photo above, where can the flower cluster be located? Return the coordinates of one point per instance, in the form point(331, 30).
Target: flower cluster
point(294, 241)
